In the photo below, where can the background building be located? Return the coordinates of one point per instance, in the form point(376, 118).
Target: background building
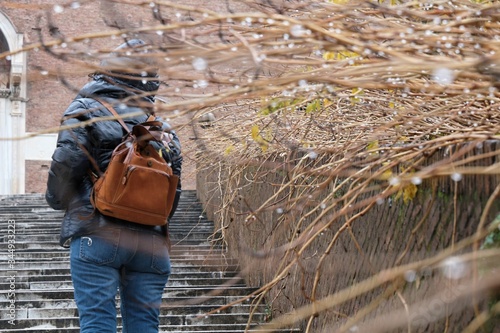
point(36, 86)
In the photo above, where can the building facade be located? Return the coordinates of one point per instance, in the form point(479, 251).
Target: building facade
point(13, 96)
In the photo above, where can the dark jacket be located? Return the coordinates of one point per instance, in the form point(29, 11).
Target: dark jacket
point(69, 184)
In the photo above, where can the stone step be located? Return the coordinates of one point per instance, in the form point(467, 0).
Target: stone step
point(63, 262)
point(185, 205)
point(176, 274)
point(41, 196)
point(185, 202)
point(65, 270)
point(191, 269)
point(191, 209)
point(23, 212)
point(50, 219)
point(225, 328)
point(21, 234)
point(21, 237)
point(174, 308)
point(167, 320)
point(169, 294)
point(7, 212)
point(65, 282)
point(55, 255)
point(46, 238)
point(46, 221)
point(40, 202)
point(164, 329)
point(32, 244)
point(19, 216)
point(177, 250)
point(175, 303)
point(171, 307)
point(173, 316)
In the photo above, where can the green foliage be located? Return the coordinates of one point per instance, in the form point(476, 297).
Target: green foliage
point(279, 104)
point(313, 106)
point(268, 313)
point(492, 240)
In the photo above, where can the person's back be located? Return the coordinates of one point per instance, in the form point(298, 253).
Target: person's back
point(107, 253)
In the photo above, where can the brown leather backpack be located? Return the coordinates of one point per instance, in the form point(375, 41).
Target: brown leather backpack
point(138, 185)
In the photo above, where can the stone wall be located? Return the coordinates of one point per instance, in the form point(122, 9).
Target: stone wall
point(389, 234)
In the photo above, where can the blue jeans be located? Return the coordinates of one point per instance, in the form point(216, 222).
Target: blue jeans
point(136, 263)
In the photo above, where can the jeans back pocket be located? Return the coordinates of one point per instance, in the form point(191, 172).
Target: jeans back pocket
point(100, 248)
point(161, 259)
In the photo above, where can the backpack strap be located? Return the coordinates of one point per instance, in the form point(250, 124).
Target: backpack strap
point(151, 121)
point(113, 111)
point(150, 130)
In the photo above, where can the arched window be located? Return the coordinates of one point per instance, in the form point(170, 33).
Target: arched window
point(4, 63)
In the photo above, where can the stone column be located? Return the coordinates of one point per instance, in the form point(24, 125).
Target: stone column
point(5, 145)
point(13, 115)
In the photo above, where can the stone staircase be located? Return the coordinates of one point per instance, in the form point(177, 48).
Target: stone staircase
point(41, 295)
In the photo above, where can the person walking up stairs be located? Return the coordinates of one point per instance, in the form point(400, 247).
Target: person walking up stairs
point(42, 293)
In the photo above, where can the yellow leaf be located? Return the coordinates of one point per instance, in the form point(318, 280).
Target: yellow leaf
point(387, 174)
point(372, 148)
point(339, 55)
point(409, 192)
point(255, 132)
point(329, 55)
point(229, 150)
point(355, 93)
point(372, 145)
point(392, 2)
point(258, 138)
point(346, 54)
